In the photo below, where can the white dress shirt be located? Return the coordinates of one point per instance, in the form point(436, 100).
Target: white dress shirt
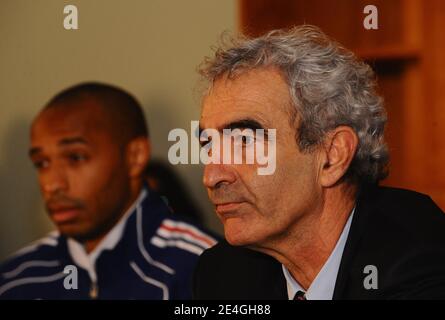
point(322, 288)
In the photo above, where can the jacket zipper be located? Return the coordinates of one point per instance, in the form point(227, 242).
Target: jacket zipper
point(94, 290)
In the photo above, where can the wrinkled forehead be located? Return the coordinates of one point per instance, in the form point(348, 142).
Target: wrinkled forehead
point(83, 118)
point(261, 93)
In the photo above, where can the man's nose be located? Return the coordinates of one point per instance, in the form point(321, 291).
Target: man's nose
point(53, 180)
point(218, 174)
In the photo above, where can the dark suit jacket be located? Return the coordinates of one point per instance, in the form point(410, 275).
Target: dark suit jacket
point(400, 232)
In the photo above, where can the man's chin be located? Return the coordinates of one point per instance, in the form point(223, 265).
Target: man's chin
point(237, 238)
point(74, 231)
point(239, 234)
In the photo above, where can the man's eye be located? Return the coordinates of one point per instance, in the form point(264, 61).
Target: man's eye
point(207, 146)
point(247, 140)
point(41, 164)
point(76, 157)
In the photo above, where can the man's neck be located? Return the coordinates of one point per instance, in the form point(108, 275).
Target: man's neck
point(92, 243)
point(309, 243)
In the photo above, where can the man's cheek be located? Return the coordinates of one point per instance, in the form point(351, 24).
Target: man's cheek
point(84, 183)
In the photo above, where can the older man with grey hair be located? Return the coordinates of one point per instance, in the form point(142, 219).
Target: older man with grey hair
point(320, 226)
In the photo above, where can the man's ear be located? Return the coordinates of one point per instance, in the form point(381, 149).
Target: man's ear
point(338, 151)
point(138, 154)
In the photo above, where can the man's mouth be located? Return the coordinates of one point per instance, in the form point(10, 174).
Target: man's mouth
point(64, 214)
point(227, 208)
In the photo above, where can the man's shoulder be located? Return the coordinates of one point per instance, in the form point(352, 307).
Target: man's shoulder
point(400, 233)
point(167, 235)
point(174, 235)
point(38, 259)
point(223, 250)
point(40, 249)
point(401, 196)
point(404, 209)
point(234, 262)
point(174, 242)
point(230, 272)
point(173, 248)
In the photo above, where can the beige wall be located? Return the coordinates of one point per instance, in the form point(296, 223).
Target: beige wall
point(150, 47)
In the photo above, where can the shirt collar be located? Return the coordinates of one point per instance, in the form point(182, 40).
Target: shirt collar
point(322, 288)
point(109, 242)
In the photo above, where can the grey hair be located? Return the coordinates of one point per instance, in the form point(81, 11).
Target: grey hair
point(329, 87)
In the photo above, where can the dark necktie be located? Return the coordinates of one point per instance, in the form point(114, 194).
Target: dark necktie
point(300, 295)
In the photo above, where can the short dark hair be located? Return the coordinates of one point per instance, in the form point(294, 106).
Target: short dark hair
point(121, 106)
